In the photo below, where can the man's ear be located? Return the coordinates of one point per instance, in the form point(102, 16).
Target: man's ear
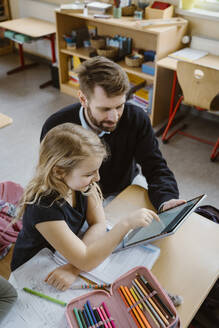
point(83, 99)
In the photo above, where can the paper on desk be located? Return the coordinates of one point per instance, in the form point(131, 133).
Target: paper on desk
point(188, 54)
point(119, 263)
point(30, 310)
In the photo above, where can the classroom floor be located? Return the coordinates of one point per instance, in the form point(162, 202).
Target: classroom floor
point(29, 106)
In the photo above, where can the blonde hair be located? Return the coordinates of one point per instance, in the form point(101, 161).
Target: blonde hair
point(62, 149)
point(100, 71)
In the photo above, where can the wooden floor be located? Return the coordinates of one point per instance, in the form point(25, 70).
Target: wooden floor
point(5, 264)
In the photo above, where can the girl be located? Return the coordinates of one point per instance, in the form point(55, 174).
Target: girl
point(61, 196)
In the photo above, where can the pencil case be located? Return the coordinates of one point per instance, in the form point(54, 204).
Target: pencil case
point(119, 312)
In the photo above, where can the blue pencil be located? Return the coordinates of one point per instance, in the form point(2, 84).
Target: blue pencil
point(91, 311)
point(86, 318)
point(89, 315)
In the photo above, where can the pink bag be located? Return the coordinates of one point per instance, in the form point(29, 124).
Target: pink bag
point(10, 194)
point(119, 312)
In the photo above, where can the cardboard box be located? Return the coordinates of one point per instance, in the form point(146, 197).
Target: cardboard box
point(152, 13)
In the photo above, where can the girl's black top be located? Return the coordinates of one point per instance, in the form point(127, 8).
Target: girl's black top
point(30, 241)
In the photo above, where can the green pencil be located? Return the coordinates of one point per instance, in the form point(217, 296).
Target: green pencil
point(34, 292)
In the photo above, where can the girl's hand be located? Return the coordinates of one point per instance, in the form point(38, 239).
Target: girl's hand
point(141, 218)
point(62, 277)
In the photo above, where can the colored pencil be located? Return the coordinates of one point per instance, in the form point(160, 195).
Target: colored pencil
point(157, 296)
point(102, 318)
point(153, 304)
point(157, 315)
point(46, 297)
point(89, 286)
point(89, 315)
point(146, 307)
point(108, 315)
point(98, 318)
point(136, 298)
point(151, 295)
point(91, 312)
point(138, 309)
point(78, 318)
point(82, 319)
point(105, 317)
point(86, 318)
point(125, 302)
point(161, 323)
point(133, 309)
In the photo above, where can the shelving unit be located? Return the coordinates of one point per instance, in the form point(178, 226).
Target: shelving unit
point(163, 40)
point(5, 44)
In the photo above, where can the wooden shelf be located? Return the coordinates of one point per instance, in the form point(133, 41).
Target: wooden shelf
point(7, 48)
point(84, 53)
point(163, 40)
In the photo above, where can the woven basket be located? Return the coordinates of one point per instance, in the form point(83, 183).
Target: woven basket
point(109, 52)
point(134, 60)
point(129, 10)
point(98, 43)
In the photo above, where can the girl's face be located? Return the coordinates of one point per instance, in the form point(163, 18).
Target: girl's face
point(82, 176)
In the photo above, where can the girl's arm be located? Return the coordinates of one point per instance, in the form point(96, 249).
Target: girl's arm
point(63, 276)
point(86, 257)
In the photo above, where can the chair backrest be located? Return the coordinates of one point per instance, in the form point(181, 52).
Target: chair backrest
point(199, 84)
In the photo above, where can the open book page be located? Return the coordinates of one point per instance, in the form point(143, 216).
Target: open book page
point(119, 263)
point(33, 311)
point(188, 54)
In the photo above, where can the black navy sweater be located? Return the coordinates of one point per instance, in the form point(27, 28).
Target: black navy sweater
point(133, 141)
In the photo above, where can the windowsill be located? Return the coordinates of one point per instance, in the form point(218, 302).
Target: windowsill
point(199, 13)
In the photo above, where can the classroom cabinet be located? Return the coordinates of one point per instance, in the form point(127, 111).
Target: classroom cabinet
point(161, 39)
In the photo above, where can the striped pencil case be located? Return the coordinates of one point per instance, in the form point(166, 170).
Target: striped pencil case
point(136, 299)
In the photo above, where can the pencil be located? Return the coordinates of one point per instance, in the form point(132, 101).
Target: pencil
point(88, 286)
point(146, 307)
point(108, 315)
point(132, 314)
point(48, 298)
point(161, 323)
point(133, 308)
point(160, 315)
point(78, 318)
point(157, 296)
point(136, 298)
point(153, 303)
point(82, 319)
point(138, 309)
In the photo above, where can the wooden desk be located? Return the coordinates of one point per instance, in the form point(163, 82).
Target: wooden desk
point(164, 81)
point(189, 261)
point(34, 28)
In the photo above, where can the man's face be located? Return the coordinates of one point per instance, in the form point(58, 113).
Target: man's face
point(103, 112)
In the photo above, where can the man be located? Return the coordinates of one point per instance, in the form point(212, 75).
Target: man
point(125, 128)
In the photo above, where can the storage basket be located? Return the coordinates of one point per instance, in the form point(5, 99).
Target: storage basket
point(153, 13)
point(134, 60)
point(109, 52)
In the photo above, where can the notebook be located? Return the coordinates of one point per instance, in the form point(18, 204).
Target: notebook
point(170, 221)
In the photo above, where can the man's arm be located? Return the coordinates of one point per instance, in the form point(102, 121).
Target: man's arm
point(162, 186)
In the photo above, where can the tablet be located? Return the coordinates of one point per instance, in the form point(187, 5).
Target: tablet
point(170, 221)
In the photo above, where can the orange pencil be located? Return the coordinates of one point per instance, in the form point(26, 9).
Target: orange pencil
point(133, 308)
point(138, 309)
point(132, 314)
point(152, 303)
point(146, 307)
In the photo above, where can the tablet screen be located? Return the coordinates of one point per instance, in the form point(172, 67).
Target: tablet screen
point(169, 220)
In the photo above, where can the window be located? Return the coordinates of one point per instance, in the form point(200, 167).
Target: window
point(212, 5)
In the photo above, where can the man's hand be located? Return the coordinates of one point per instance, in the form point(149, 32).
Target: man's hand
point(173, 203)
point(62, 277)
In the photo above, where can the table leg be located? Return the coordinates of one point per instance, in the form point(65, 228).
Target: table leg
point(52, 45)
point(22, 66)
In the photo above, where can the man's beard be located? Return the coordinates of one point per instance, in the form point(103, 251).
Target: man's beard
point(100, 125)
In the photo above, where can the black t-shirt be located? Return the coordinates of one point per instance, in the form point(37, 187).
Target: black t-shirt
point(30, 241)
